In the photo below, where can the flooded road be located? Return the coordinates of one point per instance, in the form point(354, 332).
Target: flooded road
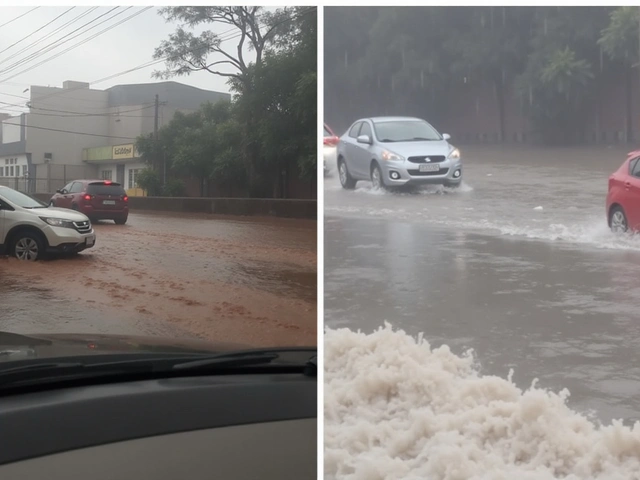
point(250, 281)
point(547, 194)
point(548, 292)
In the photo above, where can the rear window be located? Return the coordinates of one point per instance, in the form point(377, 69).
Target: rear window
point(102, 189)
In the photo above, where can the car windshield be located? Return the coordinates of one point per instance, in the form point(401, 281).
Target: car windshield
point(21, 199)
point(405, 131)
point(149, 236)
point(105, 189)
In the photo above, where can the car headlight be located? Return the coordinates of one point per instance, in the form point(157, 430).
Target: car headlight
point(58, 222)
point(392, 157)
point(454, 154)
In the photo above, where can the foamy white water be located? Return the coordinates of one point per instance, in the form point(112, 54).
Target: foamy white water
point(396, 408)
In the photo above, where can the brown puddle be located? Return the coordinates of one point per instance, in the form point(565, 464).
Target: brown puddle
point(229, 287)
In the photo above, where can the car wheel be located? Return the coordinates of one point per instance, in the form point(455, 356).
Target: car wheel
point(120, 221)
point(27, 246)
point(346, 180)
point(376, 178)
point(618, 220)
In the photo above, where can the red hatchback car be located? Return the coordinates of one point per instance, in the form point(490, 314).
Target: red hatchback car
point(97, 199)
point(623, 199)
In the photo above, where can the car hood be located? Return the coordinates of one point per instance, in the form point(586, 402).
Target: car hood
point(415, 149)
point(46, 345)
point(63, 213)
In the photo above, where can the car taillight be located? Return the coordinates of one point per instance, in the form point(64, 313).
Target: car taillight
point(125, 198)
point(87, 197)
point(331, 141)
point(107, 182)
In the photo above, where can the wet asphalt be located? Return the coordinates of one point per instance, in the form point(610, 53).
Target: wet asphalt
point(517, 265)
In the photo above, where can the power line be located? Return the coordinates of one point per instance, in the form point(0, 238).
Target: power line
point(222, 40)
point(70, 98)
point(111, 27)
point(116, 115)
point(80, 114)
point(84, 114)
point(77, 133)
point(36, 31)
point(50, 34)
point(154, 62)
point(19, 16)
point(55, 44)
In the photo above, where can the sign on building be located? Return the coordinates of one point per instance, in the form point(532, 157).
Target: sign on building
point(121, 152)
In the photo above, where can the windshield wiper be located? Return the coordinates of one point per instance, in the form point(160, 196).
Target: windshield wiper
point(48, 372)
point(227, 360)
point(416, 139)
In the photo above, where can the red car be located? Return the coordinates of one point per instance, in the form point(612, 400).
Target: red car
point(97, 199)
point(329, 143)
point(623, 199)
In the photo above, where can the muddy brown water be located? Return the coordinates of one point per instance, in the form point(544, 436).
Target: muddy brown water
point(167, 275)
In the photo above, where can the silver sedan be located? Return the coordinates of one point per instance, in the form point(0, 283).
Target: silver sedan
point(397, 151)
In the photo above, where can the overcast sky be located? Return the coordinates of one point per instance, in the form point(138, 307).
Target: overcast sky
point(126, 46)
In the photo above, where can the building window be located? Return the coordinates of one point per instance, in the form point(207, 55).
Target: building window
point(11, 171)
point(107, 174)
point(24, 170)
point(133, 177)
point(6, 171)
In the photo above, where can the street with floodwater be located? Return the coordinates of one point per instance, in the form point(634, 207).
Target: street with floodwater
point(240, 280)
point(514, 280)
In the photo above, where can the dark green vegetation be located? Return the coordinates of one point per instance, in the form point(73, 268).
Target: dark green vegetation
point(551, 59)
point(269, 130)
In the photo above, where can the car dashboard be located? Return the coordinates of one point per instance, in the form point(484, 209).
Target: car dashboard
point(244, 426)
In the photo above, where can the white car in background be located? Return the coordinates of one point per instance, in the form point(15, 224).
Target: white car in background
point(30, 228)
point(330, 143)
point(397, 151)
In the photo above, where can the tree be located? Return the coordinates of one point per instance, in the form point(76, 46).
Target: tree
point(486, 48)
point(194, 144)
point(262, 37)
point(346, 41)
point(619, 40)
point(185, 52)
point(559, 82)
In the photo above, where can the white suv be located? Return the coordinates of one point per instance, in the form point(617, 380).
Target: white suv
point(29, 228)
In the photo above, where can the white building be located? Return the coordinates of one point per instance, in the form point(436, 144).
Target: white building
point(76, 132)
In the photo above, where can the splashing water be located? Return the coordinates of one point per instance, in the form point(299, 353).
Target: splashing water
point(395, 408)
point(367, 188)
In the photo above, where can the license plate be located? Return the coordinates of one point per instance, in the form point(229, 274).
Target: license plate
point(429, 167)
point(109, 202)
point(90, 241)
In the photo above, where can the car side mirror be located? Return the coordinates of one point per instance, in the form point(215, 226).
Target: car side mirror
point(364, 139)
point(58, 191)
point(446, 136)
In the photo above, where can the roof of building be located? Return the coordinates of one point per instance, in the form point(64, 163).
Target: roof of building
point(170, 92)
